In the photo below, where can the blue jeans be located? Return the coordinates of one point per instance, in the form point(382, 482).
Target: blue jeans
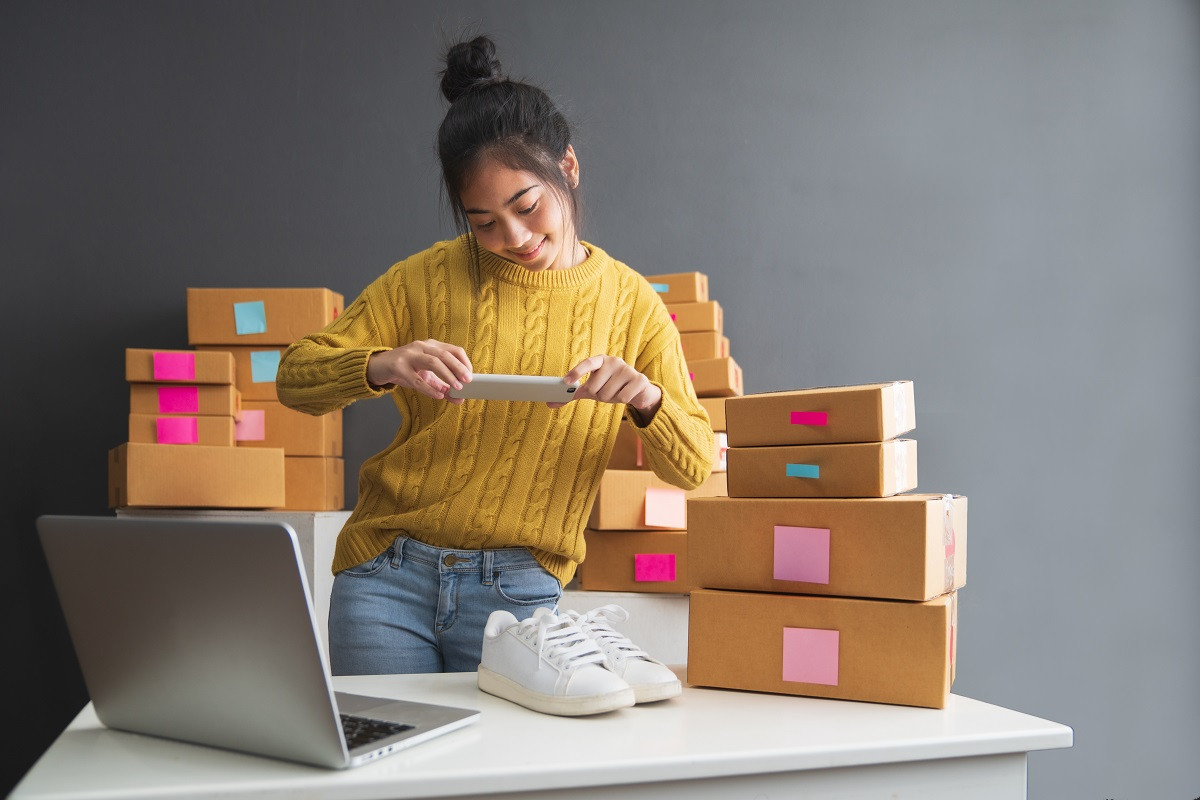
point(418, 608)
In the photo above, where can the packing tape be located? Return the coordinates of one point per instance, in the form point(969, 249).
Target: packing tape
point(899, 406)
point(900, 464)
point(948, 538)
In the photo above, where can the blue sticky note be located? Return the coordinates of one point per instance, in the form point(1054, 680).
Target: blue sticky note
point(803, 471)
point(264, 364)
point(661, 288)
point(250, 317)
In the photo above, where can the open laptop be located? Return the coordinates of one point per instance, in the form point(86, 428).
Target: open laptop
point(202, 631)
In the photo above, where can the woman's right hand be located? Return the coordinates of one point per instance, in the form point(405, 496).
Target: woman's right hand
point(429, 367)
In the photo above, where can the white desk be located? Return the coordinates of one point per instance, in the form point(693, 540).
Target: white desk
point(705, 745)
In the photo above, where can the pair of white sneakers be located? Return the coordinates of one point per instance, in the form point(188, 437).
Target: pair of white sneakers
point(570, 664)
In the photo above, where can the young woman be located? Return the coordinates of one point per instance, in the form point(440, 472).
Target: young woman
point(481, 505)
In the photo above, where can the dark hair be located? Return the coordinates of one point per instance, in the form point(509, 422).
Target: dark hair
point(493, 117)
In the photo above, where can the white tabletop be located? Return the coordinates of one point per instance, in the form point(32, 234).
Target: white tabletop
point(703, 733)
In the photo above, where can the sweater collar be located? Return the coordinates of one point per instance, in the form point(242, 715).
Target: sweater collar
point(511, 272)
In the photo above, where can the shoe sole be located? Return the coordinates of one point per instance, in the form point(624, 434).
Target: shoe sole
point(496, 684)
point(653, 692)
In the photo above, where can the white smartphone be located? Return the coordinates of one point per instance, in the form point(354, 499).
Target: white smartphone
point(532, 388)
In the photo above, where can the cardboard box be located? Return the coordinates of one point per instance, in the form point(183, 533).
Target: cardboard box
point(639, 500)
point(693, 317)
point(220, 400)
point(194, 476)
point(701, 345)
point(178, 366)
point(868, 413)
point(178, 429)
point(680, 287)
point(907, 547)
point(716, 377)
point(715, 406)
point(881, 651)
point(635, 561)
point(627, 452)
point(254, 368)
point(870, 469)
point(268, 424)
point(314, 483)
point(258, 316)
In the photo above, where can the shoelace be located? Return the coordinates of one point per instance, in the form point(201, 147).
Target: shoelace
point(597, 624)
point(561, 642)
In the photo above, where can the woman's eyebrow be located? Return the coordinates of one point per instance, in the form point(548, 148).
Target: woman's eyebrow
point(507, 202)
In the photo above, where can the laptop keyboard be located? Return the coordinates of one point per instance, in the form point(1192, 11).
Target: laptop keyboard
point(364, 730)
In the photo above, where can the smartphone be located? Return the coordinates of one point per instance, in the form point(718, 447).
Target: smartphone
point(532, 388)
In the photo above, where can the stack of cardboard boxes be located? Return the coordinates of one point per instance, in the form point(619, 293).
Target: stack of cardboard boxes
point(206, 427)
point(819, 576)
point(637, 532)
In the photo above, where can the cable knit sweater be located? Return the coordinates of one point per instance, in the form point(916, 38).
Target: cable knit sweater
point(488, 474)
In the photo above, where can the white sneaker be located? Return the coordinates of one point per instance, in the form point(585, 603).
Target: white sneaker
point(651, 680)
point(548, 664)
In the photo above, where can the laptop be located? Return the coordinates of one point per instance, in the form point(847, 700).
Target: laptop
point(203, 631)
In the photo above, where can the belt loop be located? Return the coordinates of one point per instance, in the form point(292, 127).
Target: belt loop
point(398, 551)
point(488, 568)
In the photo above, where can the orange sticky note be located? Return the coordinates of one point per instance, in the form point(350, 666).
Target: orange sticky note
point(666, 508)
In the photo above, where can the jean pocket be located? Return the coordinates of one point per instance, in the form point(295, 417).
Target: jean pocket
point(528, 586)
point(368, 568)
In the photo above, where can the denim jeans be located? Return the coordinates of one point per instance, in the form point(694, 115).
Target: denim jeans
point(418, 608)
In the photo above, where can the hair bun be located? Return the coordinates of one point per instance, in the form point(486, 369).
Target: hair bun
point(470, 65)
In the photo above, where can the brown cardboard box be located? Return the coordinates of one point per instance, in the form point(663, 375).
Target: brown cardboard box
point(177, 366)
point(177, 429)
point(693, 317)
point(220, 400)
point(194, 476)
point(621, 502)
point(635, 561)
point(627, 452)
point(701, 345)
point(715, 406)
point(716, 377)
point(869, 469)
point(868, 413)
point(314, 483)
point(255, 368)
point(268, 424)
point(882, 651)
point(680, 287)
point(258, 316)
point(907, 547)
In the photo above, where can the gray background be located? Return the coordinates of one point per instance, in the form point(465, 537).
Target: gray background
point(995, 200)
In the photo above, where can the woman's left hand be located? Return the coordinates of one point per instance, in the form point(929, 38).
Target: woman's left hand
point(611, 380)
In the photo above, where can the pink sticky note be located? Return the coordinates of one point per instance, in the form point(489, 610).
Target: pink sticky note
point(252, 427)
point(801, 554)
point(174, 366)
point(809, 418)
point(654, 567)
point(666, 508)
point(177, 430)
point(672, 318)
point(810, 655)
point(178, 399)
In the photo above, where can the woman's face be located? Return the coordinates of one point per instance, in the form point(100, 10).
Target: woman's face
point(514, 215)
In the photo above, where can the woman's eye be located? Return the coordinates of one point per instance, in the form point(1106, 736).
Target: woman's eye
point(486, 226)
point(530, 210)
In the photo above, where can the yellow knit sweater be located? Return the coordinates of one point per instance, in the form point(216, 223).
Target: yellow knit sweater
point(488, 474)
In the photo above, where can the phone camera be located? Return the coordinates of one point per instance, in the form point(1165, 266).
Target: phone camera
point(571, 389)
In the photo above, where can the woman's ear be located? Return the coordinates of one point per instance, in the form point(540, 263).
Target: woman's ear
point(570, 167)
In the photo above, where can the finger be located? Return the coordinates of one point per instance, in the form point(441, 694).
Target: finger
point(583, 368)
point(435, 365)
point(430, 385)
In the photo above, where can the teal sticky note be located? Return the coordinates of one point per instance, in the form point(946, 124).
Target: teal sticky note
point(250, 317)
point(661, 288)
point(264, 364)
point(803, 471)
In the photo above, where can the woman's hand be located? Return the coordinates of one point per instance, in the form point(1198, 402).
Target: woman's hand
point(611, 380)
point(429, 367)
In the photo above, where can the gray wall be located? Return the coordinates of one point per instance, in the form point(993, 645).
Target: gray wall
point(996, 200)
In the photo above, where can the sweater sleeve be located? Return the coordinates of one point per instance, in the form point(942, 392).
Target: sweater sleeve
point(678, 441)
point(327, 370)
